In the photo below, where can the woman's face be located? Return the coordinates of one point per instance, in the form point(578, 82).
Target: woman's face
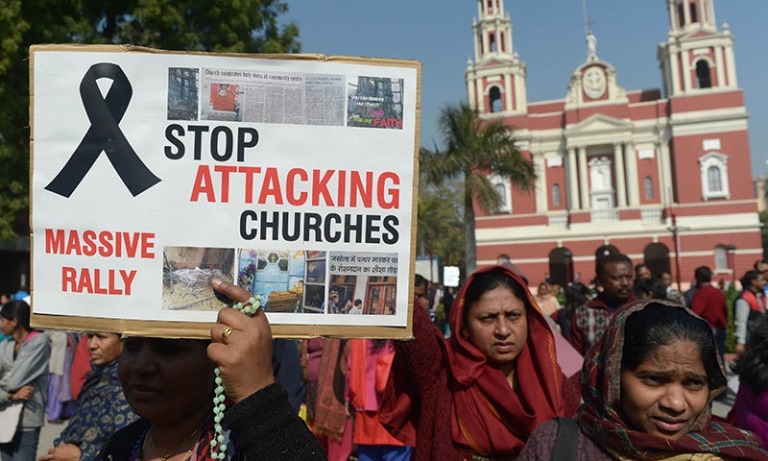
point(497, 325)
point(105, 347)
point(7, 325)
point(166, 380)
point(667, 391)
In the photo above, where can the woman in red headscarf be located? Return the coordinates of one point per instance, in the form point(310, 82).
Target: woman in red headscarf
point(482, 392)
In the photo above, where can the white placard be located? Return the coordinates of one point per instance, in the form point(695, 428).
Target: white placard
point(451, 276)
point(154, 171)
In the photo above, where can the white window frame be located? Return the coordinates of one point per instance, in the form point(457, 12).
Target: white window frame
point(719, 161)
point(721, 259)
point(497, 181)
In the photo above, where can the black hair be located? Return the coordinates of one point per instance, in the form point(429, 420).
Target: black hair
point(419, 281)
point(661, 325)
point(610, 258)
point(18, 310)
point(576, 294)
point(651, 286)
point(747, 278)
point(703, 274)
point(487, 281)
point(377, 344)
point(752, 365)
point(757, 264)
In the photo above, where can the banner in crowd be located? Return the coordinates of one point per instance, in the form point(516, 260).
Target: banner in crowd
point(153, 172)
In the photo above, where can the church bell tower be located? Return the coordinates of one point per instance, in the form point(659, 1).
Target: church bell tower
point(496, 77)
point(697, 57)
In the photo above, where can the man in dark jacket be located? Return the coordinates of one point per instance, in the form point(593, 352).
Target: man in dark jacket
point(614, 275)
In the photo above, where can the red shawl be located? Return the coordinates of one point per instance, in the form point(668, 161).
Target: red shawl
point(600, 416)
point(488, 415)
point(330, 413)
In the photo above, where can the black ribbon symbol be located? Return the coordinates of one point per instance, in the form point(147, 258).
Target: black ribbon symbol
point(104, 135)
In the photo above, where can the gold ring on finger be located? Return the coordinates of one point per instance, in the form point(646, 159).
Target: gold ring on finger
point(225, 334)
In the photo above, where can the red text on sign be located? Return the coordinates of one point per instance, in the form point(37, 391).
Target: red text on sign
point(106, 244)
point(97, 281)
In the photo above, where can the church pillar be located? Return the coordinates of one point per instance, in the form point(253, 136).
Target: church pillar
point(621, 189)
point(573, 182)
point(632, 182)
point(674, 72)
point(542, 205)
point(672, 25)
point(720, 63)
point(663, 179)
point(666, 164)
point(509, 104)
point(685, 54)
point(480, 96)
point(583, 179)
point(730, 62)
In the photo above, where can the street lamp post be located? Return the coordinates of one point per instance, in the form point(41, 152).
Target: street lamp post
point(676, 242)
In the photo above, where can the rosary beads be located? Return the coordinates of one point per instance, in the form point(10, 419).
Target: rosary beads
point(218, 447)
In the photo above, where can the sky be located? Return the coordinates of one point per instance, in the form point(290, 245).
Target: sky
point(547, 34)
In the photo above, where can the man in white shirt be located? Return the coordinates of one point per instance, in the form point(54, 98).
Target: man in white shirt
point(357, 308)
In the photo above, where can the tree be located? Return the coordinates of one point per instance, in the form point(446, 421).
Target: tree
point(439, 231)
point(473, 149)
point(244, 26)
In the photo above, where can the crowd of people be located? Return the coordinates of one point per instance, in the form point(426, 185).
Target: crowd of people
point(499, 382)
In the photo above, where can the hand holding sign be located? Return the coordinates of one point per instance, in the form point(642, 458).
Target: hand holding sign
point(241, 346)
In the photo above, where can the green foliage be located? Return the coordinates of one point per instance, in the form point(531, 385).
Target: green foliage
point(764, 228)
point(439, 230)
point(473, 149)
point(730, 340)
point(238, 26)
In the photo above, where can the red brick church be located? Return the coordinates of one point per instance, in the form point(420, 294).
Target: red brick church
point(662, 175)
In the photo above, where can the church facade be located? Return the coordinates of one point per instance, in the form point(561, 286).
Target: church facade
point(661, 175)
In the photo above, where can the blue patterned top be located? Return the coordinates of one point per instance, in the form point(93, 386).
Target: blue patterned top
point(101, 411)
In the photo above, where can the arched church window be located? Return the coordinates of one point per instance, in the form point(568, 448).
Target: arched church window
point(502, 193)
point(680, 14)
point(502, 188)
point(492, 43)
point(721, 258)
point(714, 179)
point(556, 194)
point(648, 183)
point(694, 15)
point(702, 74)
point(494, 97)
point(714, 176)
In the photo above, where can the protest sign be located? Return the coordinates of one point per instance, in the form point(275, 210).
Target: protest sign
point(294, 176)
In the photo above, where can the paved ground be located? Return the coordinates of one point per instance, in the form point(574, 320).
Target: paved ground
point(47, 436)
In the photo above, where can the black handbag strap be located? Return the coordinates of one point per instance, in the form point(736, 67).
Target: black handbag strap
point(567, 440)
